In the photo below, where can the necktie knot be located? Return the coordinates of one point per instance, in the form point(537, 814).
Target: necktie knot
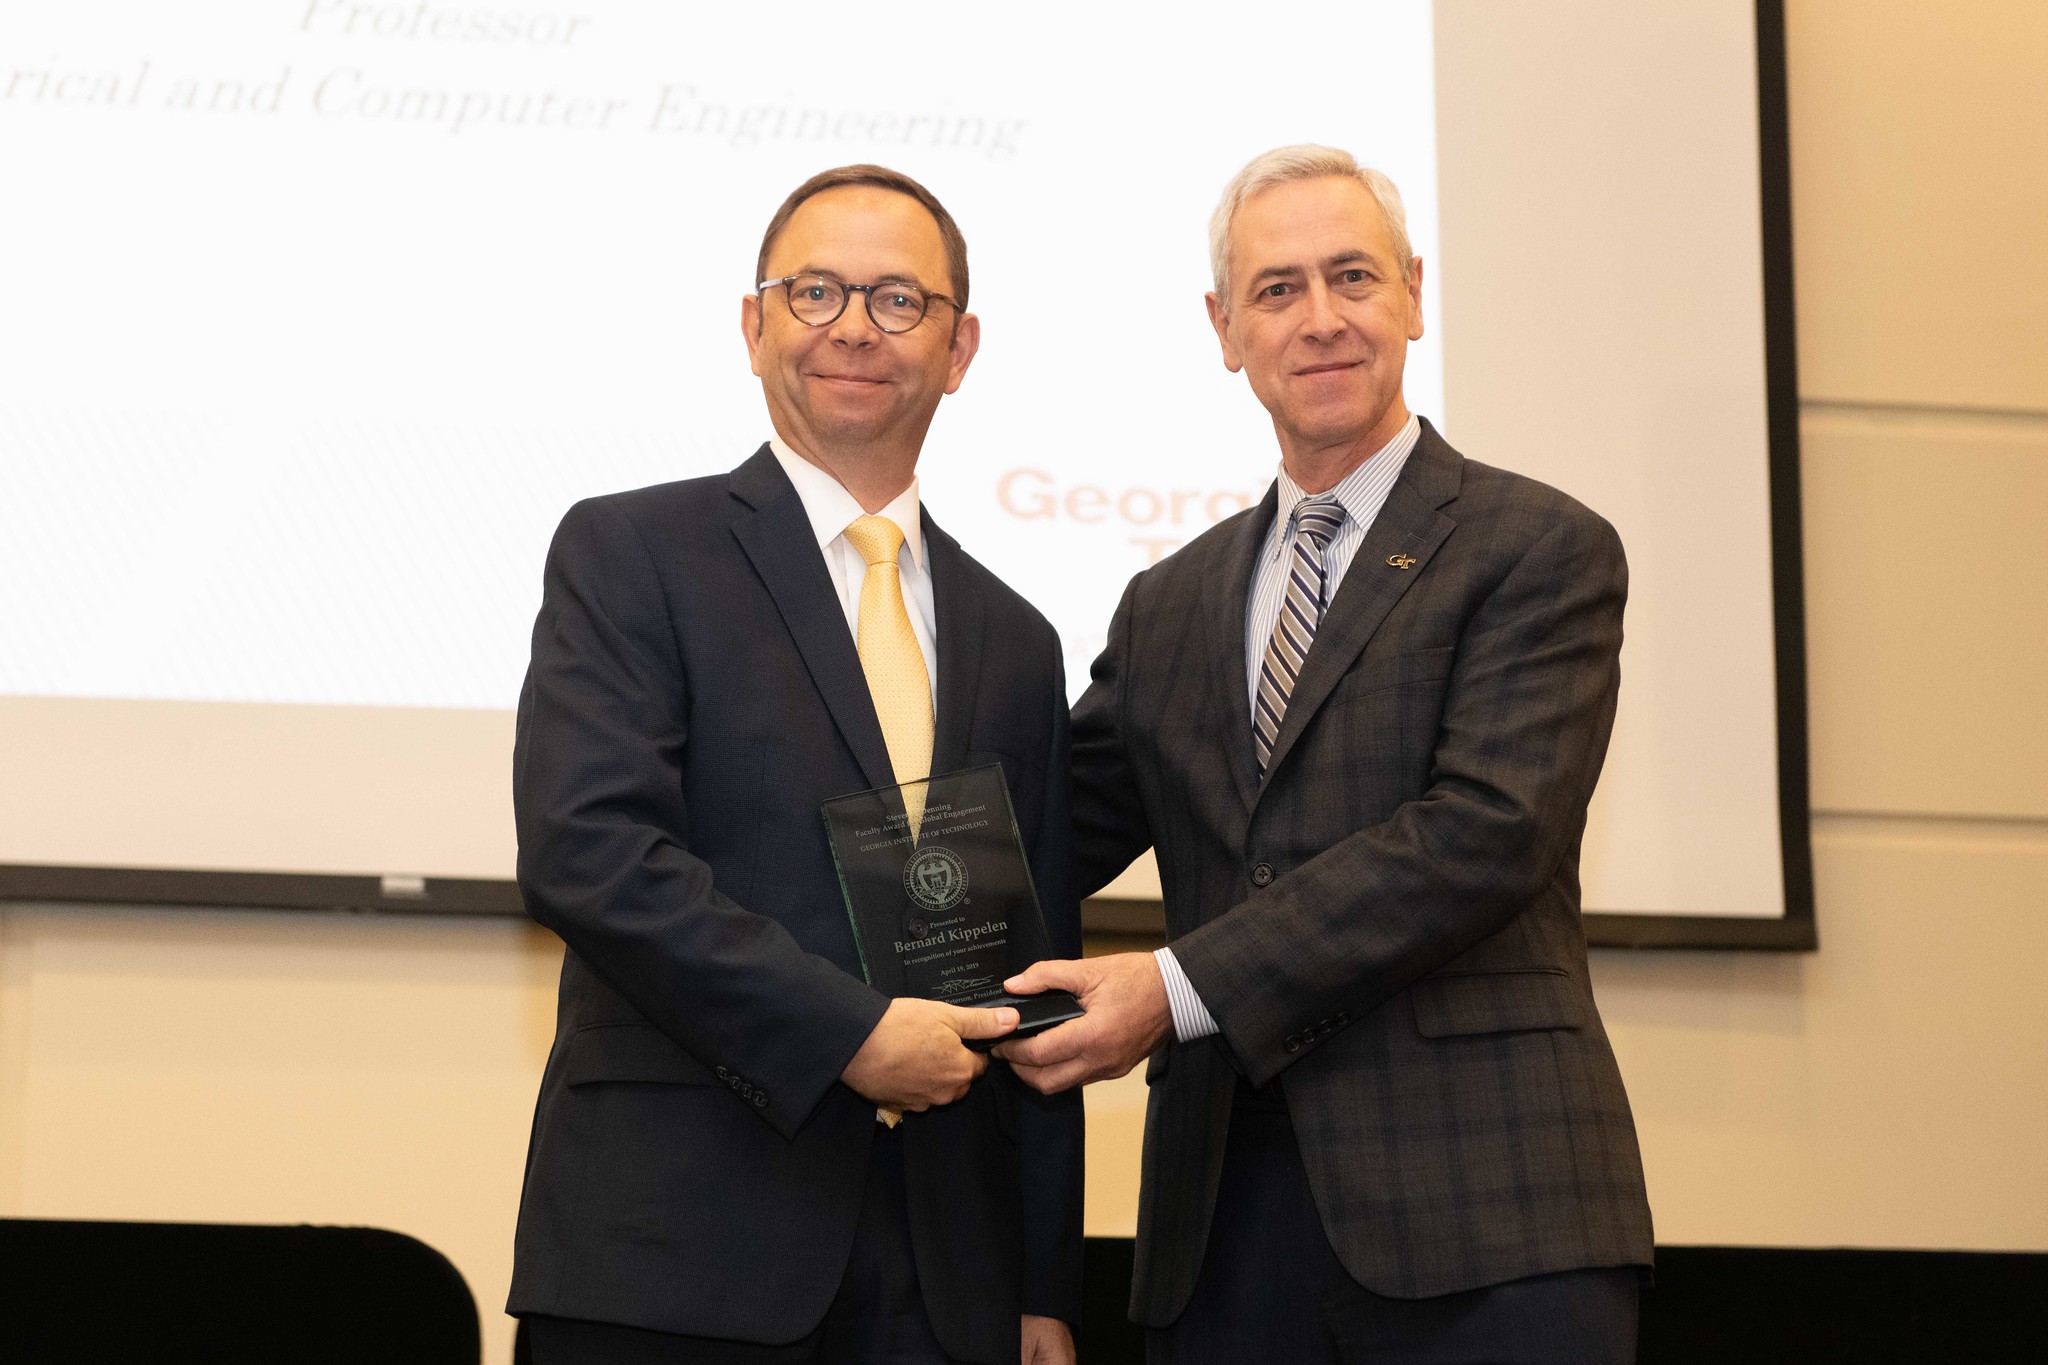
point(1319, 518)
point(875, 539)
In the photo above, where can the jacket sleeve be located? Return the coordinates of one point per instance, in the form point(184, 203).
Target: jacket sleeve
point(604, 856)
point(1110, 828)
point(1525, 724)
point(1050, 1128)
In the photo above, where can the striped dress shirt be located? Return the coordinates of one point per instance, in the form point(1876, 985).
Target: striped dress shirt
point(1363, 492)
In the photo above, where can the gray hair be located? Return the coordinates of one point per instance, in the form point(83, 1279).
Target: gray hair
point(1303, 161)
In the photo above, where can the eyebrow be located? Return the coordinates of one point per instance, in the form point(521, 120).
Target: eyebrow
point(1280, 272)
point(1271, 272)
point(893, 278)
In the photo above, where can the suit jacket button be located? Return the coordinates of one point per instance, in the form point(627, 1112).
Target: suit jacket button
point(723, 1074)
point(1262, 875)
point(1342, 1018)
point(1292, 1043)
point(760, 1099)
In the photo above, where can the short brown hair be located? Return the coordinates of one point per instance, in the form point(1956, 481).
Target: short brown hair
point(881, 177)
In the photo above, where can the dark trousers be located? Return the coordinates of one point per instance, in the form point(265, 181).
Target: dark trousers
point(1271, 1288)
point(877, 1315)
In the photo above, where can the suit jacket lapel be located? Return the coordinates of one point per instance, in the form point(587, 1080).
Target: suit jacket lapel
point(777, 538)
point(1408, 529)
point(959, 606)
point(1227, 643)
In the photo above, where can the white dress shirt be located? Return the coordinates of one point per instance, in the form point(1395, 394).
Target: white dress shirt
point(1362, 492)
point(831, 510)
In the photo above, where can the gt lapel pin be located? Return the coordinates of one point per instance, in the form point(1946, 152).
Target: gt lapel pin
point(1401, 561)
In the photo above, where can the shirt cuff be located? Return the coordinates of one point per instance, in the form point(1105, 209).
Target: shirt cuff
point(1191, 1018)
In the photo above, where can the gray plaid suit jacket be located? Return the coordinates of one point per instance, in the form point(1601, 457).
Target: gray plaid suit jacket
point(1390, 920)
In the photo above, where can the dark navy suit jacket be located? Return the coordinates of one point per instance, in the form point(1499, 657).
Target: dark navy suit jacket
point(696, 1165)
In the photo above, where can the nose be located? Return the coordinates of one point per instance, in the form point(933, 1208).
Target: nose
point(1322, 321)
point(853, 326)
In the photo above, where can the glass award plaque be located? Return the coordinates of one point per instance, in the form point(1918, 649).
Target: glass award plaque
point(941, 897)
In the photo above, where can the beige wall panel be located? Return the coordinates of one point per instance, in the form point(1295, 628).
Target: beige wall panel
point(1116, 1137)
point(1926, 570)
point(269, 1068)
point(1889, 1091)
point(1919, 199)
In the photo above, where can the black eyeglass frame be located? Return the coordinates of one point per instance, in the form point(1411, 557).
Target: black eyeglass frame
point(867, 292)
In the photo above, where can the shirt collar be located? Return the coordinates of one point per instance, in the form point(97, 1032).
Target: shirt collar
point(1364, 490)
point(832, 509)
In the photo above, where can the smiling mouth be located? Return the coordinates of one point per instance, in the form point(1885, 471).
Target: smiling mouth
point(1331, 369)
point(849, 379)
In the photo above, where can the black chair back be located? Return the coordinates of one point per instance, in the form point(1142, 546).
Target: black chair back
point(228, 1293)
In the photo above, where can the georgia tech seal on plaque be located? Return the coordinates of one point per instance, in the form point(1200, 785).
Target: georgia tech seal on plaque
point(905, 884)
point(935, 878)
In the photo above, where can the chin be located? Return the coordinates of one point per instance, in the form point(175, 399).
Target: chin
point(850, 426)
point(1328, 428)
point(839, 408)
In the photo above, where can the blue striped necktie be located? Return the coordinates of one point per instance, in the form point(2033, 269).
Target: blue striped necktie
point(1315, 523)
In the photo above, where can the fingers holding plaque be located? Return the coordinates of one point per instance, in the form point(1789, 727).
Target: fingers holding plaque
point(940, 894)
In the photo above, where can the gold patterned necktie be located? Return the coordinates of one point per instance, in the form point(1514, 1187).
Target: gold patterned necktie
point(897, 679)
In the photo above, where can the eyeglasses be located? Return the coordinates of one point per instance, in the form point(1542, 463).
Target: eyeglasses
point(818, 300)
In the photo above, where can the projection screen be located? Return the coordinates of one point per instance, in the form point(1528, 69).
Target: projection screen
point(318, 314)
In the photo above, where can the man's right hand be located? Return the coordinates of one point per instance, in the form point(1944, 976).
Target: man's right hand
point(914, 1058)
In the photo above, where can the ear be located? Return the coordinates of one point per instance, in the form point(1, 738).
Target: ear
point(1415, 299)
point(966, 341)
point(750, 329)
point(1220, 320)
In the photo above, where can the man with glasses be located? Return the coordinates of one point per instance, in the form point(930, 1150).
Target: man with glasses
point(741, 1151)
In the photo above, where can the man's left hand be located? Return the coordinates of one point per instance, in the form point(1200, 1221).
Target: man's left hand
point(1127, 1016)
point(1047, 1341)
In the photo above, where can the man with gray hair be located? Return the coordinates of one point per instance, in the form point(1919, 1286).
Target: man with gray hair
point(1360, 724)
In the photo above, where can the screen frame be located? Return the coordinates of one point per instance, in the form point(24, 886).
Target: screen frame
point(1795, 930)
